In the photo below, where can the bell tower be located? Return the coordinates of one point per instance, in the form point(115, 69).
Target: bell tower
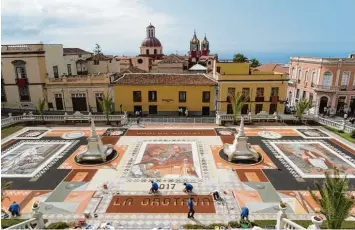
point(205, 47)
point(194, 48)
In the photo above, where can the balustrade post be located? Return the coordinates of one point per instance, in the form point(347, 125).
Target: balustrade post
point(280, 224)
point(36, 213)
point(343, 126)
point(218, 118)
point(317, 222)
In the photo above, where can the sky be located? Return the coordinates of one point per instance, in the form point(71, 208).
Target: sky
point(270, 30)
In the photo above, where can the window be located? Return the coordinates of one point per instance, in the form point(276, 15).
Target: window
point(147, 52)
point(218, 69)
point(327, 79)
point(299, 75)
point(152, 96)
point(310, 97)
point(206, 96)
point(306, 76)
point(69, 69)
point(304, 93)
point(140, 60)
point(292, 73)
point(96, 62)
point(354, 83)
point(24, 94)
point(314, 79)
point(55, 71)
point(137, 96)
point(245, 94)
point(182, 96)
point(298, 93)
point(59, 101)
point(259, 94)
point(275, 91)
point(155, 51)
point(20, 69)
point(345, 80)
point(231, 92)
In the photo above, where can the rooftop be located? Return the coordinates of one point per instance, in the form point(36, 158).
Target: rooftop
point(164, 79)
point(73, 51)
point(272, 67)
point(198, 67)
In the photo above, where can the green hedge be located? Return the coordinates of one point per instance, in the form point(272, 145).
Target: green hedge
point(5, 223)
point(58, 225)
point(267, 223)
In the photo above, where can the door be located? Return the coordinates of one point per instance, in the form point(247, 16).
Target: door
point(153, 109)
point(183, 108)
point(229, 109)
point(258, 108)
point(205, 111)
point(245, 109)
point(323, 103)
point(352, 105)
point(137, 108)
point(79, 102)
point(341, 104)
point(98, 99)
point(59, 102)
point(273, 108)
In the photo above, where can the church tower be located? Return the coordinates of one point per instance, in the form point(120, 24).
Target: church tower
point(205, 47)
point(194, 48)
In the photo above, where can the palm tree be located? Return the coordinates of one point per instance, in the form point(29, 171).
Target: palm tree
point(238, 102)
point(335, 201)
point(302, 106)
point(106, 106)
point(40, 107)
point(240, 58)
point(254, 63)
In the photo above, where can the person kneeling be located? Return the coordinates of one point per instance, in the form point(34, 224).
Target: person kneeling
point(154, 188)
point(188, 187)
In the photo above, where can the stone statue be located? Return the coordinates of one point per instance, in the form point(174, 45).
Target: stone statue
point(95, 150)
point(240, 149)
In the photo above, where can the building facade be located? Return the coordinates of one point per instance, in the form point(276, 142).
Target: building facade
point(263, 91)
point(23, 73)
point(327, 82)
point(79, 93)
point(165, 94)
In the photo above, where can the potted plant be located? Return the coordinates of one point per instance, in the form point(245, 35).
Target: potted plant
point(283, 206)
point(245, 223)
point(317, 220)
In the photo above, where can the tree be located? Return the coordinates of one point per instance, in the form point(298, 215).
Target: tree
point(97, 49)
point(302, 106)
point(40, 106)
point(238, 102)
point(335, 201)
point(106, 106)
point(240, 58)
point(254, 63)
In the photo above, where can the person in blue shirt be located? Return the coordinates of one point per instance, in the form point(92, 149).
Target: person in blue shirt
point(154, 187)
point(188, 187)
point(190, 205)
point(245, 213)
point(15, 209)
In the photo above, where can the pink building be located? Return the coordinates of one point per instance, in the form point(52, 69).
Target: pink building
point(325, 81)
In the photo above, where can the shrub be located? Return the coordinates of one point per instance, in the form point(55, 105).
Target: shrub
point(234, 224)
point(340, 131)
point(353, 134)
point(5, 223)
point(58, 225)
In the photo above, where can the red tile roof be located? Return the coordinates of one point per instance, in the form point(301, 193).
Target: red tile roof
point(164, 79)
point(272, 67)
point(73, 51)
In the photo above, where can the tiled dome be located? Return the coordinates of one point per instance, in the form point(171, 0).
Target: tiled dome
point(151, 42)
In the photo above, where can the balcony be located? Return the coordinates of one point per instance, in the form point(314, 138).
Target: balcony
point(325, 88)
point(259, 99)
point(292, 82)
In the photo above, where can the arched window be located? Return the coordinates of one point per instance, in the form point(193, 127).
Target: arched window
point(147, 52)
point(345, 79)
point(314, 78)
point(292, 73)
point(299, 74)
point(155, 51)
point(20, 69)
point(327, 79)
point(306, 76)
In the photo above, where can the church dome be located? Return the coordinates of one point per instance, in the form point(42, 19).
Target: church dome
point(151, 42)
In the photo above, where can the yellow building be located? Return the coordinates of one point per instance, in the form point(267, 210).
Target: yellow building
point(165, 94)
point(266, 91)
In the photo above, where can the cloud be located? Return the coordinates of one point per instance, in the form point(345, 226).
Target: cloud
point(117, 25)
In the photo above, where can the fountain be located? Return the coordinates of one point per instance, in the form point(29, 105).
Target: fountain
point(95, 152)
point(240, 151)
